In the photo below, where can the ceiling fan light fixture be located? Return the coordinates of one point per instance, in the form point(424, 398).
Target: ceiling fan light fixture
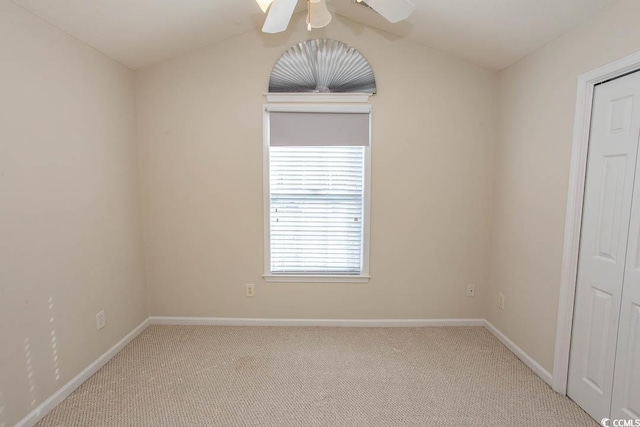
point(362, 3)
point(318, 16)
point(264, 4)
point(280, 12)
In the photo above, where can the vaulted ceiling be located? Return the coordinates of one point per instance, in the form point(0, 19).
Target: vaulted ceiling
point(140, 33)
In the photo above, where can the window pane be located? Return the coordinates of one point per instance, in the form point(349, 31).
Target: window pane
point(317, 205)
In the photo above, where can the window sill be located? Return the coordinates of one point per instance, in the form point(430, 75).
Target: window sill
point(286, 278)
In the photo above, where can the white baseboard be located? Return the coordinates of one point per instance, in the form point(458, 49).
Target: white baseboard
point(348, 323)
point(45, 407)
point(520, 353)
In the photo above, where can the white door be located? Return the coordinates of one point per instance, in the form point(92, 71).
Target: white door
point(609, 188)
point(626, 383)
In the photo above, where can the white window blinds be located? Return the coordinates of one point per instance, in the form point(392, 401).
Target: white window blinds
point(317, 197)
point(317, 193)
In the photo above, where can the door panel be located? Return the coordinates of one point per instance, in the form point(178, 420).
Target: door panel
point(600, 316)
point(609, 190)
point(614, 171)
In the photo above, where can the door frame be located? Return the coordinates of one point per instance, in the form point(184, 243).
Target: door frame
point(575, 198)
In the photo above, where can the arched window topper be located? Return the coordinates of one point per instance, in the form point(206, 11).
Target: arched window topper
point(322, 66)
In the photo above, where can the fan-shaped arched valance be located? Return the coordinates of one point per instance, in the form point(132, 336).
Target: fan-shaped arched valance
point(324, 66)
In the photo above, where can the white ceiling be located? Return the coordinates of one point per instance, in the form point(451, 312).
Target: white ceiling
point(139, 33)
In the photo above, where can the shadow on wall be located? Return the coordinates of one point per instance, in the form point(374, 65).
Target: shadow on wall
point(3, 423)
point(29, 359)
point(54, 344)
point(30, 375)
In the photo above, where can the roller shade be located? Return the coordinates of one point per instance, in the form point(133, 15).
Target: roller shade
point(318, 129)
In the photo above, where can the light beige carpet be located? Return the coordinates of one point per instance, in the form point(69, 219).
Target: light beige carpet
point(265, 376)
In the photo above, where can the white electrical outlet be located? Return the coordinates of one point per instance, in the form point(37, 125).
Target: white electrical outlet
point(501, 300)
point(471, 290)
point(250, 290)
point(100, 320)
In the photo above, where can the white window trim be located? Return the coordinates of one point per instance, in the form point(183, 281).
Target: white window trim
point(319, 106)
point(290, 278)
point(317, 98)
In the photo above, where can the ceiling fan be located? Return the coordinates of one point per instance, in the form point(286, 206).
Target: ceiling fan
point(318, 16)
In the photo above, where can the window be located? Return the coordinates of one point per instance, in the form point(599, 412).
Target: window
point(316, 193)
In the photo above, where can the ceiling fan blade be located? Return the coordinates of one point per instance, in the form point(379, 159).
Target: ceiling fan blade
point(279, 16)
point(392, 10)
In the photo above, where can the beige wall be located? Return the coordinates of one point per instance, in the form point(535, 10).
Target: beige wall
point(200, 129)
point(70, 240)
point(536, 108)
